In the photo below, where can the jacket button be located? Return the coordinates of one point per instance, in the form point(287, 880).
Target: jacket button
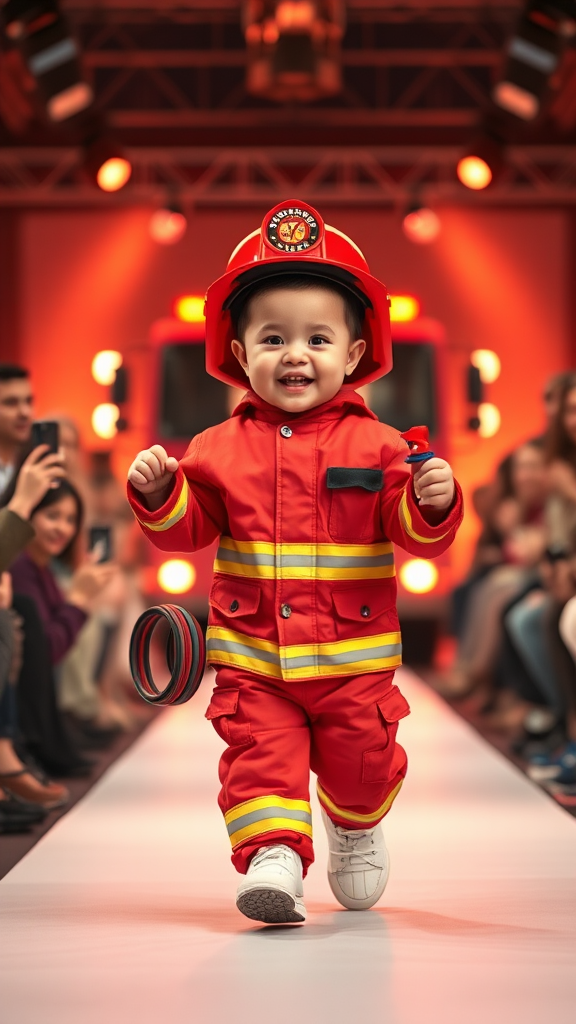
point(286, 431)
point(234, 606)
point(285, 611)
point(365, 611)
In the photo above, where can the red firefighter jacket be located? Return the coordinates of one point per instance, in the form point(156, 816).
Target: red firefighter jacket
point(306, 507)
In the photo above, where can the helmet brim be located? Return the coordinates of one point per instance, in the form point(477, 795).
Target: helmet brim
point(232, 289)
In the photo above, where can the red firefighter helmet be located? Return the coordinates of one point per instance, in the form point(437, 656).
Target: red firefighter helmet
point(293, 239)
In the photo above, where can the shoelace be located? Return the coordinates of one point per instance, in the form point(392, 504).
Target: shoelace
point(352, 840)
point(272, 853)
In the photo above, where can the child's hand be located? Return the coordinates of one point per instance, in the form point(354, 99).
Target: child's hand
point(434, 483)
point(152, 470)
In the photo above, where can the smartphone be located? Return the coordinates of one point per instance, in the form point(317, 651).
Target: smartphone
point(46, 432)
point(100, 537)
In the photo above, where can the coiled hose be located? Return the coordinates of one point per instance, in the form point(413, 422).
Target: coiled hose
point(185, 654)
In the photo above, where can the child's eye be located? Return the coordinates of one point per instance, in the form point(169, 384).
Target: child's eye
point(317, 340)
point(274, 339)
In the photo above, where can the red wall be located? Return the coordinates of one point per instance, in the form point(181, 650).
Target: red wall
point(93, 280)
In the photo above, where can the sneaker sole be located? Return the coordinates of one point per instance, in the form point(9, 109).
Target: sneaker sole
point(271, 906)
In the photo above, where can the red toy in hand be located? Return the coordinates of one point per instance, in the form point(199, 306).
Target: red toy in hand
point(418, 442)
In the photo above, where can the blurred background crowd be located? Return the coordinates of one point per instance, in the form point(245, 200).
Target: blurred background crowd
point(65, 613)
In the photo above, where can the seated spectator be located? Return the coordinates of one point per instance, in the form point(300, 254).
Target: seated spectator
point(509, 551)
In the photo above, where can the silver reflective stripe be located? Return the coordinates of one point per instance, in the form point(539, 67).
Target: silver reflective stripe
point(244, 557)
point(232, 647)
point(334, 561)
point(534, 56)
point(267, 812)
point(348, 658)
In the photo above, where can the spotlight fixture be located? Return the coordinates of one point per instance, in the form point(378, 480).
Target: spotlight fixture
point(478, 167)
point(106, 163)
point(168, 224)
point(533, 55)
point(293, 48)
point(420, 224)
point(50, 53)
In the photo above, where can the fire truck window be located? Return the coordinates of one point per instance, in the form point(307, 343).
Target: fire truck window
point(191, 400)
point(406, 396)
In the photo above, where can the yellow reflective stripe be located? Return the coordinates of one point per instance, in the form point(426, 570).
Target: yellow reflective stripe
point(304, 661)
point(270, 825)
point(173, 516)
point(406, 524)
point(364, 819)
point(265, 801)
point(270, 572)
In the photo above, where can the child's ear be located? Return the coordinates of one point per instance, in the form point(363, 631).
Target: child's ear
point(240, 353)
point(355, 353)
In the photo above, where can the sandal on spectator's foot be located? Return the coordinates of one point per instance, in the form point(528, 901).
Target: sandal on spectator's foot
point(18, 812)
point(25, 785)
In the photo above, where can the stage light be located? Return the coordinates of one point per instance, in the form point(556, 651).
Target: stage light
point(189, 308)
point(418, 575)
point(176, 576)
point(421, 225)
point(533, 55)
point(404, 308)
point(50, 53)
point(490, 419)
point(488, 364)
point(293, 48)
point(474, 172)
point(105, 162)
point(114, 174)
point(168, 225)
point(104, 366)
point(105, 420)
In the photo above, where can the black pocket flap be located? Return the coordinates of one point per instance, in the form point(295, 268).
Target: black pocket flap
point(338, 477)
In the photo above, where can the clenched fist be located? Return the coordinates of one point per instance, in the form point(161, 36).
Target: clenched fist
point(151, 473)
point(434, 483)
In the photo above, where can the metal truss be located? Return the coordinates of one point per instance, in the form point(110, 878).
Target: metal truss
point(380, 176)
point(182, 65)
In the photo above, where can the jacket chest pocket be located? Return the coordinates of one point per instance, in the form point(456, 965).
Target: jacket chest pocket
point(354, 503)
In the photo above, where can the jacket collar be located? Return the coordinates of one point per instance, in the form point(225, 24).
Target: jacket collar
point(346, 400)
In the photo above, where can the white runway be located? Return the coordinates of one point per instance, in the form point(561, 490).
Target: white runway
point(124, 913)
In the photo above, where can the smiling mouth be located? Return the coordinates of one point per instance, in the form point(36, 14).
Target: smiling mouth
point(295, 380)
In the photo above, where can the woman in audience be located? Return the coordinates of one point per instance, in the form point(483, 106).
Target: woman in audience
point(51, 624)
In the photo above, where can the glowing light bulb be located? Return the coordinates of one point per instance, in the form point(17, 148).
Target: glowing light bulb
point(104, 420)
point(490, 419)
point(113, 174)
point(104, 366)
point(418, 575)
point(189, 308)
point(421, 226)
point(474, 172)
point(168, 226)
point(404, 308)
point(176, 576)
point(488, 363)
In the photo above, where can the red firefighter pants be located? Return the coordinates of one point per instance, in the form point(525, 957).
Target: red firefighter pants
point(343, 729)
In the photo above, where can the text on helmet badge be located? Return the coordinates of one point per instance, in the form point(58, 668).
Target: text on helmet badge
point(293, 229)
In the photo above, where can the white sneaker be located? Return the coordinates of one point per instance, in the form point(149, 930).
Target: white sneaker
point(358, 864)
point(272, 888)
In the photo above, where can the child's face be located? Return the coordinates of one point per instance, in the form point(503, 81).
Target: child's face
point(297, 348)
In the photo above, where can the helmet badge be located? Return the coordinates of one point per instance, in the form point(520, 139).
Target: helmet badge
point(293, 229)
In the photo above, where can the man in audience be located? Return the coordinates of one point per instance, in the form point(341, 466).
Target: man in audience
point(16, 414)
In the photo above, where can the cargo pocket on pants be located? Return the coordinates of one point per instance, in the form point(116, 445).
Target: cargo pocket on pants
point(376, 763)
point(226, 719)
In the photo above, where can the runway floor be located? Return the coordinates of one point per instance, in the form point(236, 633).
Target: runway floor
point(124, 912)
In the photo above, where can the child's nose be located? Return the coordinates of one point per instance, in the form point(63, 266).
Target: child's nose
point(296, 352)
